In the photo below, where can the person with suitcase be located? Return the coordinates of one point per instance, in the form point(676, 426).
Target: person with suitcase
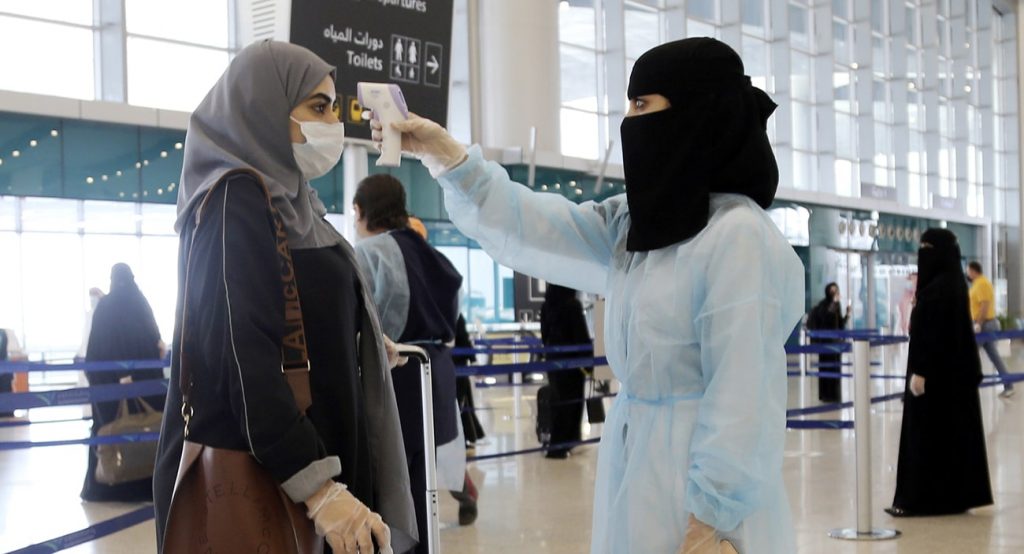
point(416, 290)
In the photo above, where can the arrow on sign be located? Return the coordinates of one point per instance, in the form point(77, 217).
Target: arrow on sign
point(433, 65)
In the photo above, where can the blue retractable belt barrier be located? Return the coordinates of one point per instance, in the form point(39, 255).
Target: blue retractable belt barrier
point(91, 441)
point(818, 424)
point(530, 367)
point(522, 348)
point(126, 365)
point(90, 533)
point(11, 401)
point(23, 422)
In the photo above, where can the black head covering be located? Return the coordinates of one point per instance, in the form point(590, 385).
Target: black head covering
point(123, 326)
point(941, 257)
point(121, 277)
point(712, 139)
point(557, 294)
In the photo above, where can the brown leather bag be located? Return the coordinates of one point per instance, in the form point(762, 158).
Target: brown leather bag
point(224, 501)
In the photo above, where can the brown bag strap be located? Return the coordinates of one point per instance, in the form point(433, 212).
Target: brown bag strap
point(294, 356)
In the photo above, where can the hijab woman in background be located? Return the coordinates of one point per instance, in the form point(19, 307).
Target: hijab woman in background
point(416, 289)
point(562, 323)
point(828, 315)
point(268, 127)
point(702, 292)
point(943, 465)
point(123, 328)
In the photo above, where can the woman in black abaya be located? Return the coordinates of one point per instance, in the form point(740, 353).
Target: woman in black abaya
point(943, 466)
point(123, 328)
point(562, 323)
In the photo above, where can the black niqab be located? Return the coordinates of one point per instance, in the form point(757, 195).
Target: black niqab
point(123, 326)
point(712, 139)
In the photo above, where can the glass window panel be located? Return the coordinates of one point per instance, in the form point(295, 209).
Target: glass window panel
point(943, 30)
point(198, 21)
point(11, 296)
point(579, 132)
point(704, 9)
point(50, 215)
point(803, 171)
point(157, 275)
point(798, 25)
point(841, 39)
point(30, 155)
point(579, 78)
point(803, 120)
point(845, 176)
point(70, 11)
point(878, 15)
point(915, 184)
point(28, 46)
point(698, 28)
point(164, 151)
point(840, 8)
point(879, 62)
point(753, 17)
point(576, 24)
point(842, 90)
point(641, 28)
point(755, 61)
point(8, 213)
point(110, 217)
point(910, 22)
point(917, 154)
point(158, 219)
point(171, 76)
point(481, 293)
point(846, 143)
point(52, 292)
point(800, 76)
point(882, 109)
point(101, 160)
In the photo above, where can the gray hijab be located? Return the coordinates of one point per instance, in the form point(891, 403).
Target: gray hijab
point(243, 123)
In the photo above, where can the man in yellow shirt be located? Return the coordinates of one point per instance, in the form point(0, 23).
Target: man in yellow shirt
point(983, 312)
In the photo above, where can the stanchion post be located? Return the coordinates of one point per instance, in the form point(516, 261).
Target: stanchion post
point(804, 361)
point(517, 381)
point(865, 530)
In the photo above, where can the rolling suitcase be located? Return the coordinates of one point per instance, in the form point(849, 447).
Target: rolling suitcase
point(433, 538)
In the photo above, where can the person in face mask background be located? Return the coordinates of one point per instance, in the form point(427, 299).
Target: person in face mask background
point(267, 127)
point(702, 292)
point(828, 315)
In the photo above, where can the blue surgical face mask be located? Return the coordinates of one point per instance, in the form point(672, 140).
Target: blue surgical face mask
point(323, 147)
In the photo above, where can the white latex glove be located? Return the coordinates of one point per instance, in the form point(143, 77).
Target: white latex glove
point(977, 328)
point(426, 140)
point(394, 360)
point(703, 539)
point(916, 385)
point(345, 522)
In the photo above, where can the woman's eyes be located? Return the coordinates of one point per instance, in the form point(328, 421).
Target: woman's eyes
point(639, 104)
point(320, 108)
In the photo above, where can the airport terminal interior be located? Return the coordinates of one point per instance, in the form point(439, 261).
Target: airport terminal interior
point(894, 119)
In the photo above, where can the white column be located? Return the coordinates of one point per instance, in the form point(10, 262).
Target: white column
point(519, 73)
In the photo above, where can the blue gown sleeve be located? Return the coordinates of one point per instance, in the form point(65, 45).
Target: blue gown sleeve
point(748, 310)
point(381, 259)
point(543, 235)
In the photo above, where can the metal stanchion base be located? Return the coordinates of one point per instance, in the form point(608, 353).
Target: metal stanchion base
point(875, 534)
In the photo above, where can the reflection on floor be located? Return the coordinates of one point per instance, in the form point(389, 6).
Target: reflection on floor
point(531, 504)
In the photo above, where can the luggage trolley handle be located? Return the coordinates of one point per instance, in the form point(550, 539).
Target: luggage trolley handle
point(433, 539)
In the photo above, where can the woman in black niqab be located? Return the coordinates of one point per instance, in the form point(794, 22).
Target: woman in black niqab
point(123, 328)
point(562, 323)
point(828, 315)
point(943, 465)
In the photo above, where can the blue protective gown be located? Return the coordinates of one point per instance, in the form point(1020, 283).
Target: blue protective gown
point(695, 333)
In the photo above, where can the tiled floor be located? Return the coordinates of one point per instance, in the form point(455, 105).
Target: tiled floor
point(531, 504)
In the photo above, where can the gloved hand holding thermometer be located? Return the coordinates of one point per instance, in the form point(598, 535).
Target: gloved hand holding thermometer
point(387, 103)
point(424, 139)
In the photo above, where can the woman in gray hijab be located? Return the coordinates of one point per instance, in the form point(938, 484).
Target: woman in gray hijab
point(266, 128)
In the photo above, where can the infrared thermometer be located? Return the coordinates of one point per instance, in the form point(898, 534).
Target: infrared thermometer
point(388, 105)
